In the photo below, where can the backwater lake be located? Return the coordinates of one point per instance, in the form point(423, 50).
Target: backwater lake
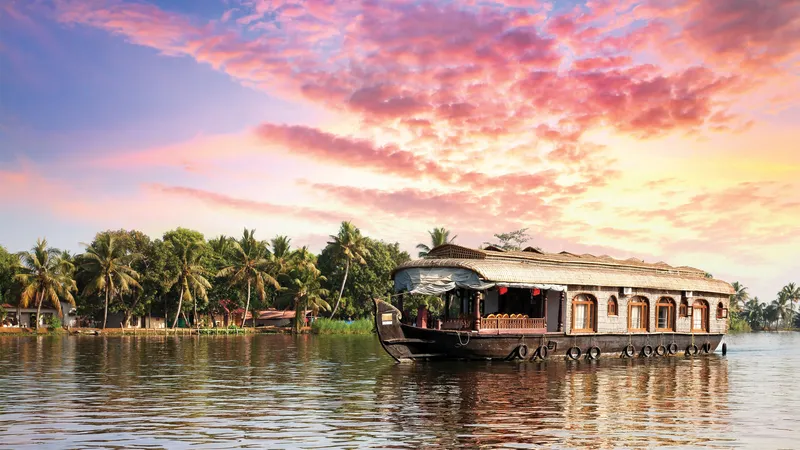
point(282, 391)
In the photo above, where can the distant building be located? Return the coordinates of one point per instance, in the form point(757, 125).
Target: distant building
point(26, 317)
point(115, 320)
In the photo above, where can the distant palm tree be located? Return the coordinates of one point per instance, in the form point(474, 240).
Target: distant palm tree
point(349, 245)
point(191, 278)
point(754, 313)
point(439, 236)
point(739, 297)
point(771, 314)
point(251, 266)
point(282, 253)
point(107, 265)
point(304, 286)
point(783, 308)
point(44, 276)
point(792, 292)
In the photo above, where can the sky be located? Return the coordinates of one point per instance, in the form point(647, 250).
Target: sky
point(655, 129)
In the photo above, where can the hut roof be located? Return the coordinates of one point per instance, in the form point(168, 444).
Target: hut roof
point(568, 269)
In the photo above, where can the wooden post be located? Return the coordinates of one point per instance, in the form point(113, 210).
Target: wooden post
point(562, 307)
point(477, 310)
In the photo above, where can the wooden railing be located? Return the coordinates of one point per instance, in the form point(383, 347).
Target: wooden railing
point(457, 324)
point(499, 323)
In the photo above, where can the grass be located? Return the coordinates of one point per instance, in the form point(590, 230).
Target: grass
point(329, 326)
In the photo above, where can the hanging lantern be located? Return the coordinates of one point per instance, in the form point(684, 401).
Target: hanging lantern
point(536, 291)
point(502, 290)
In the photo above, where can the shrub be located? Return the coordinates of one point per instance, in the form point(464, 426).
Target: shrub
point(328, 326)
point(52, 322)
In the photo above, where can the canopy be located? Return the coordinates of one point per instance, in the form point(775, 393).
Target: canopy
point(438, 280)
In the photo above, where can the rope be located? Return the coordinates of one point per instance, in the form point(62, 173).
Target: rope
point(461, 344)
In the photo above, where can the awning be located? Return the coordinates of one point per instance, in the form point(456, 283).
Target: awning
point(438, 280)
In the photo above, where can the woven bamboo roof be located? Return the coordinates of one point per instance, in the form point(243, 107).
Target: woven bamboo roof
point(568, 269)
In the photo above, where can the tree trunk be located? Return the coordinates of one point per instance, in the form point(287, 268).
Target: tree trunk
point(39, 312)
point(105, 311)
point(178, 312)
point(196, 326)
point(341, 290)
point(247, 305)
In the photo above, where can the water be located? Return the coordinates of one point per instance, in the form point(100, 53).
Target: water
point(343, 392)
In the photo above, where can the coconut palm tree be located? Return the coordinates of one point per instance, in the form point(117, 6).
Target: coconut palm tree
point(739, 297)
point(350, 246)
point(783, 308)
point(754, 313)
point(191, 278)
point(792, 293)
point(304, 287)
point(45, 276)
point(439, 236)
point(250, 266)
point(107, 265)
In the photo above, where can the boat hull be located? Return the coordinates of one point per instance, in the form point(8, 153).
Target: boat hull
point(408, 343)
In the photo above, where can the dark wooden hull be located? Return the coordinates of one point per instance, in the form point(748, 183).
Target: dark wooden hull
point(408, 343)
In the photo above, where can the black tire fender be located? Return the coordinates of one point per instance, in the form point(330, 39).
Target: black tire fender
point(661, 350)
point(541, 352)
point(629, 351)
point(573, 353)
point(522, 351)
point(593, 353)
point(691, 350)
point(672, 348)
point(647, 351)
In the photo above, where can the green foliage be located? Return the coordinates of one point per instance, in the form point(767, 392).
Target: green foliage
point(52, 322)
point(45, 276)
point(303, 287)
point(9, 264)
point(365, 282)
point(329, 326)
point(511, 241)
point(738, 324)
point(439, 236)
point(3, 313)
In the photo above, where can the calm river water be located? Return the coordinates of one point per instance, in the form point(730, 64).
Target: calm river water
point(268, 391)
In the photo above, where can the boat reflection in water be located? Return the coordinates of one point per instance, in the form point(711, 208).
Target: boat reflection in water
point(603, 404)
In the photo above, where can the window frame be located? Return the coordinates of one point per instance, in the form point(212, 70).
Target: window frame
point(613, 304)
point(669, 303)
point(683, 309)
point(722, 311)
point(644, 302)
point(701, 306)
point(591, 301)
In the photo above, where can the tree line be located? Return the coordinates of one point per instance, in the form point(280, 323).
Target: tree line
point(183, 274)
point(750, 313)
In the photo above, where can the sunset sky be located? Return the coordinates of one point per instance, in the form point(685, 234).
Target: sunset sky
point(663, 130)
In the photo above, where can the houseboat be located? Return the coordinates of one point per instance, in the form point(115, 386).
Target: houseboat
point(531, 305)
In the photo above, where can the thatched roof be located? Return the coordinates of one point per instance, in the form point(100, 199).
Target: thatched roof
point(568, 269)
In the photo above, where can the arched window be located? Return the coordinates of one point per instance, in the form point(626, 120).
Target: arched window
point(638, 313)
point(612, 306)
point(722, 311)
point(700, 316)
point(584, 309)
point(684, 309)
point(665, 314)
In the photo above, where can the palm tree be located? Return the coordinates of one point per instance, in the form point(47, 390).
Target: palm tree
point(739, 297)
point(771, 314)
point(783, 308)
point(191, 278)
point(304, 287)
point(439, 236)
point(792, 292)
point(350, 246)
point(107, 265)
point(45, 276)
point(754, 313)
point(250, 265)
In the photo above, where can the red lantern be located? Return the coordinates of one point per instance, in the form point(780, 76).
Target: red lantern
point(536, 292)
point(503, 290)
